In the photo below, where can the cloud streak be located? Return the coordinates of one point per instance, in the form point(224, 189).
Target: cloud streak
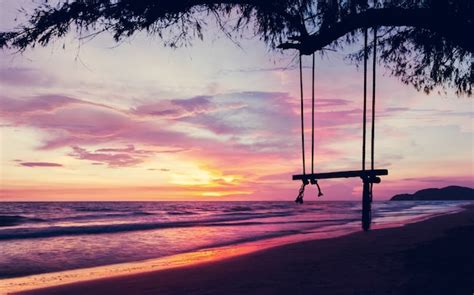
point(40, 164)
point(114, 157)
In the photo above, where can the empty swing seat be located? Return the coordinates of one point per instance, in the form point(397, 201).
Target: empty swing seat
point(342, 174)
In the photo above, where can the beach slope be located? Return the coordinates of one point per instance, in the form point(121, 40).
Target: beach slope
point(434, 256)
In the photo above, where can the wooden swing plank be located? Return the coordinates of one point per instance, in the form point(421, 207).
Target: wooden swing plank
point(342, 174)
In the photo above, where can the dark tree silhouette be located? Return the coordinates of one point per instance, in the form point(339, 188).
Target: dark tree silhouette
point(427, 43)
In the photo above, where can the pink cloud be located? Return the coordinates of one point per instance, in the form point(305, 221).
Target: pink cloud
point(198, 103)
point(114, 157)
point(72, 121)
point(252, 118)
point(329, 103)
point(249, 128)
point(12, 107)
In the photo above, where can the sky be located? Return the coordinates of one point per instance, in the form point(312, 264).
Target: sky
point(213, 121)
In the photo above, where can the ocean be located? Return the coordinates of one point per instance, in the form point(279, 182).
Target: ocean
point(44, 237)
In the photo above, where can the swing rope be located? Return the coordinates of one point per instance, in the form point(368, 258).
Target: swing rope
point(299, 198)
point(302, 116)
point(364, 120)
point(372, 144)
point(373, 100)
point(312, 120)
point(313, 181)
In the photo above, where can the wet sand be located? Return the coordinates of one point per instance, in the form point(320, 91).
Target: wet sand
point(434, 256)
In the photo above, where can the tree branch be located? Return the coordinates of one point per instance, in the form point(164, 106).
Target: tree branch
point(451, 27)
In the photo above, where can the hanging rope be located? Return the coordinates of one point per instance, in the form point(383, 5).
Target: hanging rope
point(299, 198)
point(313, 181)
point(320, 193)
point(312, 120)
point(364, 123)
point(302, 116)
point(372, 145)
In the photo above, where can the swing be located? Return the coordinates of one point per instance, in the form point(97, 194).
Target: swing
point(369, 177)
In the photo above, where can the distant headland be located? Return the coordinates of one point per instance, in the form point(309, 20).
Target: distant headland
point(449, 193)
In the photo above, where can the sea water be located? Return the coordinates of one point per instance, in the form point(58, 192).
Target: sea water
point(43, 237)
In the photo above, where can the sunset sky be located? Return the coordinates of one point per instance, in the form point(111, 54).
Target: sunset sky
point(209, 122)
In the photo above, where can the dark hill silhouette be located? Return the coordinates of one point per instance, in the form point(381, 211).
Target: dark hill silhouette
point(449, 193)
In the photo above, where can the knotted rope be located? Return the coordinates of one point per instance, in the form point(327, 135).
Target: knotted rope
point(299, 198)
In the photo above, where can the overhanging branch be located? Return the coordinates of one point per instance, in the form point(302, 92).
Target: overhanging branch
point(449, 26)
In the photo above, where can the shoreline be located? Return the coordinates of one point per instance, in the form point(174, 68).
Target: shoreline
point(176, 263)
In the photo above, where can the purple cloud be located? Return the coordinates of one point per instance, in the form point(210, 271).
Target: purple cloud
point(42, 103)
point(129, 149)
point(24, 77)
point(176, 108)
point(114, 157)
point(224, 128)
point(198, 103)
